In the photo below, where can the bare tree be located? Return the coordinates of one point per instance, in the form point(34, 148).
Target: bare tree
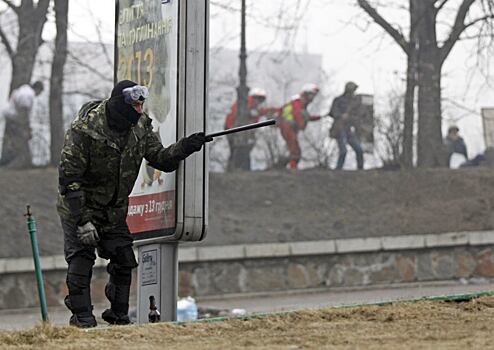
point(390, 132)
point(426, 52)
point(31, 18)
point(56, 81)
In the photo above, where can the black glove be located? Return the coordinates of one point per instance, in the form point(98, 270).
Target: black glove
point(194, 142)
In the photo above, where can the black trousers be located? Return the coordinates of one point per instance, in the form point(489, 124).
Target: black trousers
point(115, 246)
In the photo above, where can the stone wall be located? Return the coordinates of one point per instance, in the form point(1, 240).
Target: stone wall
point(222, 270)
point(336, 270)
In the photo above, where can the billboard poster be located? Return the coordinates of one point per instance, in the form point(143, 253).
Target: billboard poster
point(146, 36)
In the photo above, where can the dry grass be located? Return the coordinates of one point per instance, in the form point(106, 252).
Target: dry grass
point(422, 325)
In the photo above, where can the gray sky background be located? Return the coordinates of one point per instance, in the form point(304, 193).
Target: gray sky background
point(352, 49)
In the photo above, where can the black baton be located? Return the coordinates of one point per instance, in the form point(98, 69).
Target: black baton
point(242, 128)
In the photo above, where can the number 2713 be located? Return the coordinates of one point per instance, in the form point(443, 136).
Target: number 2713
point(132, 66)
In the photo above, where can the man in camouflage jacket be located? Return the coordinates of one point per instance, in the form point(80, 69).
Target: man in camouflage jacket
point(101, 157)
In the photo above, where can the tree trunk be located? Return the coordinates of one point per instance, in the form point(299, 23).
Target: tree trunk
point(409, 108)
point(31, 21)
point(15, 149)
point(56, 81)
point(430, 152)
point(407, 155)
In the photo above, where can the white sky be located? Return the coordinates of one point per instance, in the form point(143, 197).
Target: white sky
point(351, 50)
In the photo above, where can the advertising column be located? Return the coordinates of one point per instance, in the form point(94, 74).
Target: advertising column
point(147, 53)
point(163, 45)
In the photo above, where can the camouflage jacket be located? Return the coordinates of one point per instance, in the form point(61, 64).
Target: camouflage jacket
point(102, 166)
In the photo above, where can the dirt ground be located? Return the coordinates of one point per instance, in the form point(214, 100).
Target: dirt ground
point(421, 325)
point(284, 206)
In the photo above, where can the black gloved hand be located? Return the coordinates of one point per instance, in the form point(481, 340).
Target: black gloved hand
point(194, 142)
point(88, 234)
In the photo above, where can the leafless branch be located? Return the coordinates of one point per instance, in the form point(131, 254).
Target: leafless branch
point(11, 5)
point(89, 95)
point(104, 48)
point(395, 34)
point(458, 28)
point(477, 20)
point(6, 43)
point(227, 7)
point(441, 5)
point(87, 66)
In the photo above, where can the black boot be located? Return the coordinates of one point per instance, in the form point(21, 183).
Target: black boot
point(82, 310)
point(79, 285)
point(118, 295)
point(113, 318)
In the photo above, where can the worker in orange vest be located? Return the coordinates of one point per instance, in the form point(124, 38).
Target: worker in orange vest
point(293, 117)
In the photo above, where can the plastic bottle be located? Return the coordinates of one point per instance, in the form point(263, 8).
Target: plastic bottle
point(186, 309)
point(154, 314)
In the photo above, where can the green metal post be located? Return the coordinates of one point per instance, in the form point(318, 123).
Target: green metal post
point(31, 225)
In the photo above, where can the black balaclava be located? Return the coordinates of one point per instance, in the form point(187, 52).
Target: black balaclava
point(120, 115)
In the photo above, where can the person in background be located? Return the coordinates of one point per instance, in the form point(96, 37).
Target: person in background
point(344, 128)
point(454, 143)
point(294, 117)
point(101, 157)
point(16, 117)
point(255, 102)
point(256, 99)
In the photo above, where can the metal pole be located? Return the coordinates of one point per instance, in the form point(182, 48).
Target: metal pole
point(243, 90)
point(242, 143)
point(242, 128)
point(169, 281)
point(31, 225)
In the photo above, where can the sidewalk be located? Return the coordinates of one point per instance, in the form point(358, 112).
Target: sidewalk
point(283, 301)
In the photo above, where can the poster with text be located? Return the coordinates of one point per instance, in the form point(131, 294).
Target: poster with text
point(147, 53)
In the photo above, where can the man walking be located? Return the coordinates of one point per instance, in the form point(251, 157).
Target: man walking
point(344, 125)
point(100, 162)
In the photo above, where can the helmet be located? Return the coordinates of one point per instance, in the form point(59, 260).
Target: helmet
point(350, 86)
point(310, 88)
point(258, 92)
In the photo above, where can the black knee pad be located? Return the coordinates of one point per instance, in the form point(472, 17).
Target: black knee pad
point(125, 257)
point(119, 275)
point(79, 275)
point(121, 265)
